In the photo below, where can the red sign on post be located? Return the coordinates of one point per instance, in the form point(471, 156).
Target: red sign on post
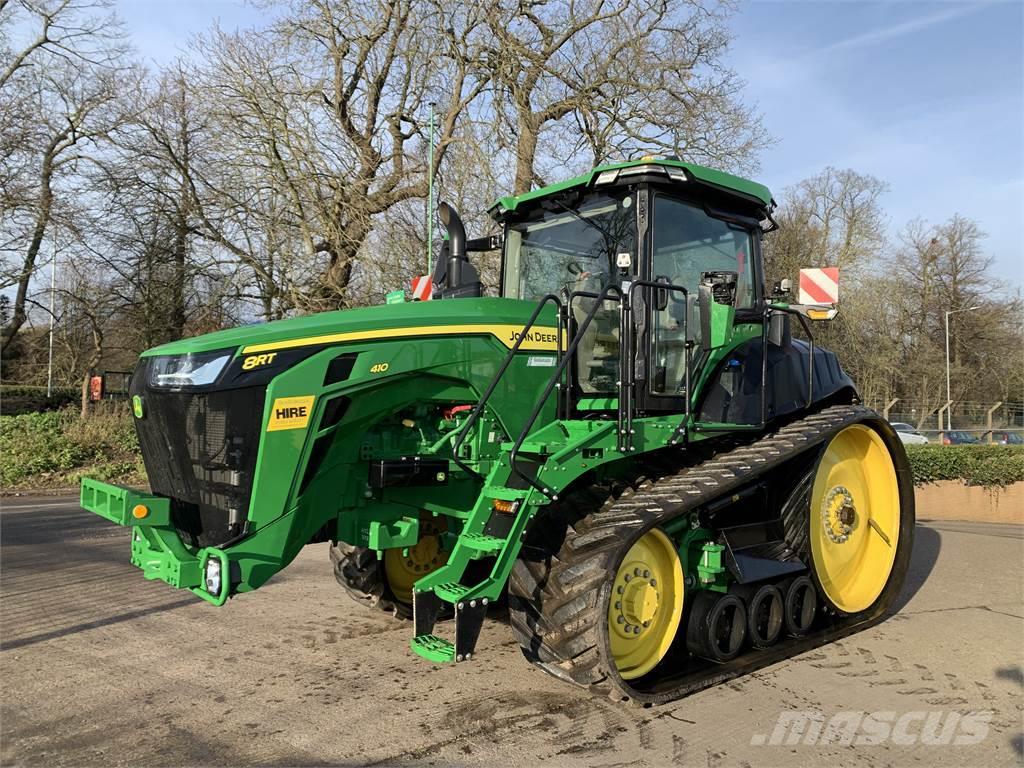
point(819, 286)
point(422, 288)
point(96, 388)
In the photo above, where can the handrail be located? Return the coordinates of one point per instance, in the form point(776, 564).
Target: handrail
point(765, 332)
point(474, 416)
point(555, 377)
point(628, 372)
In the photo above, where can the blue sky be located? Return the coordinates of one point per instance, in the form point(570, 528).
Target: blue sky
point(928, 96)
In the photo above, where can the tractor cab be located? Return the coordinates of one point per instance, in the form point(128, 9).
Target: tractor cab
point(679, 244)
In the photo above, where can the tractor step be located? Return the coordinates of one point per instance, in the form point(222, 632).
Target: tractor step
point(451, 592)
point(433, 648)
point(469, 618)
point(479, 542)
point(507, 494)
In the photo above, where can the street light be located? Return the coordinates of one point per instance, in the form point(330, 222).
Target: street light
point(430, 195)
point(53, 292)
point(949, 397)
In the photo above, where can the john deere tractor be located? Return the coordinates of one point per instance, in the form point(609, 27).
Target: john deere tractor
point(634, 441)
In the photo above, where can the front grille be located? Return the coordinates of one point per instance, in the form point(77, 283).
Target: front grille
point(200, 450)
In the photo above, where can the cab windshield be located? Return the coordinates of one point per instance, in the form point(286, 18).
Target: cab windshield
point(575, 247)
point(572, 248)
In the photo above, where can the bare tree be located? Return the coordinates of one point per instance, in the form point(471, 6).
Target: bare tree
point(832, 219)
point(893, 299)
point(617, 78)
point(326, 111)
point(57, 92)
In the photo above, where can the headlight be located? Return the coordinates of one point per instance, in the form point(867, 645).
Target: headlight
point(188, 370)
point(212, 576)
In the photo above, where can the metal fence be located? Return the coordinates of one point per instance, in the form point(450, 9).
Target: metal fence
point(980, 420)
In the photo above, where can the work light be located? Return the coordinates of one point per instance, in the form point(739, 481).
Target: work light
point(212, 576)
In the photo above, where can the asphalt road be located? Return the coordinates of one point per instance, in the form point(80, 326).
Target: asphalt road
point(100, 667)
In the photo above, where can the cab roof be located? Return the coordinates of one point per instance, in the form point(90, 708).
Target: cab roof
point(693, 172)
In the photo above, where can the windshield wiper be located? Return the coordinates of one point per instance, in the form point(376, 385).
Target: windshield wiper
point(608, 237)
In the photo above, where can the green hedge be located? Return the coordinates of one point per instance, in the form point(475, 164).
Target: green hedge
point(55, 449)
point(987, 465)
point(22, 398)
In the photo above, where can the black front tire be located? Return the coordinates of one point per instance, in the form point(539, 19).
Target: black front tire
point(361, 574)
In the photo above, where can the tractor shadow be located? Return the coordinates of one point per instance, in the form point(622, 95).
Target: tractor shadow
point(1014, 675)
point(927, 545)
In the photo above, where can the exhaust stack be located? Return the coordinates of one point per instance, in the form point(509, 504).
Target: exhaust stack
point(461, 278)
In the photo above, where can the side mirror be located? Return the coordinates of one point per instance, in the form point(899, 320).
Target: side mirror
point(716, 298)
point(722, 286)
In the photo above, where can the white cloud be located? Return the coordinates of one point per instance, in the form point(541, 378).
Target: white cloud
point(874, 36)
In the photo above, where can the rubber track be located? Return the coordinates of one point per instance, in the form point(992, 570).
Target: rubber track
point(557, 599)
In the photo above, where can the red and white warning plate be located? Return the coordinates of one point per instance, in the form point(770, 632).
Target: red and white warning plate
point(819, 286)
point(422, 288)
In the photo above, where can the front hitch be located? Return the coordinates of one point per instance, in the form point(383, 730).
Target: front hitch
point(124, 506)
point(156, 546)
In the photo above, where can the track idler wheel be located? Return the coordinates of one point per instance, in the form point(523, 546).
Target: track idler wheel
point(717, 627)
point(858, 516)
point(765, 615)
point(801, 606)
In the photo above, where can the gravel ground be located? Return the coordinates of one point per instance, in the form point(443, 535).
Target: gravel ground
point(100, 667)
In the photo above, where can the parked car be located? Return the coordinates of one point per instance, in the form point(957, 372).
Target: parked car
point(1002, 437)
point(958, 437)
point(908, 434)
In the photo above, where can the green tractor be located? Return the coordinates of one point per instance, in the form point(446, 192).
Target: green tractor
point(629, 443)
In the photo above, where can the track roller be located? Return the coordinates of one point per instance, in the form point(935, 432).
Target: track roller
point(801, 605)
point(717, 627)
point(765, 612)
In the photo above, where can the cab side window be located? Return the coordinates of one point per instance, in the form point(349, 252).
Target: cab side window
point(686, 243)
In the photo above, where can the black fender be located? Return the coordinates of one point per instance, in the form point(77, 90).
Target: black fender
point(733, 394)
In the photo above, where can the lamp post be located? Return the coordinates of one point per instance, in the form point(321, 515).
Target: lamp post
point(430, 196)
point(949, 397)
point(53, 291)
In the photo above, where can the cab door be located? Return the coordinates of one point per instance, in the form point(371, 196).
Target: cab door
point(683, 242)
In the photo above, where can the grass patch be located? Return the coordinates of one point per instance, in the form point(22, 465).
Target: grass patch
point(56, 449)
point(985, 465)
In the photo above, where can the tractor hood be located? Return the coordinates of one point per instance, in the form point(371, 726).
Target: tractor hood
point(500, 317)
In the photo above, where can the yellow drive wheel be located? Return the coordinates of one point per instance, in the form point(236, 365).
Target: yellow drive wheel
point(646, 604)
point(855, 518)
point(404, 567)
